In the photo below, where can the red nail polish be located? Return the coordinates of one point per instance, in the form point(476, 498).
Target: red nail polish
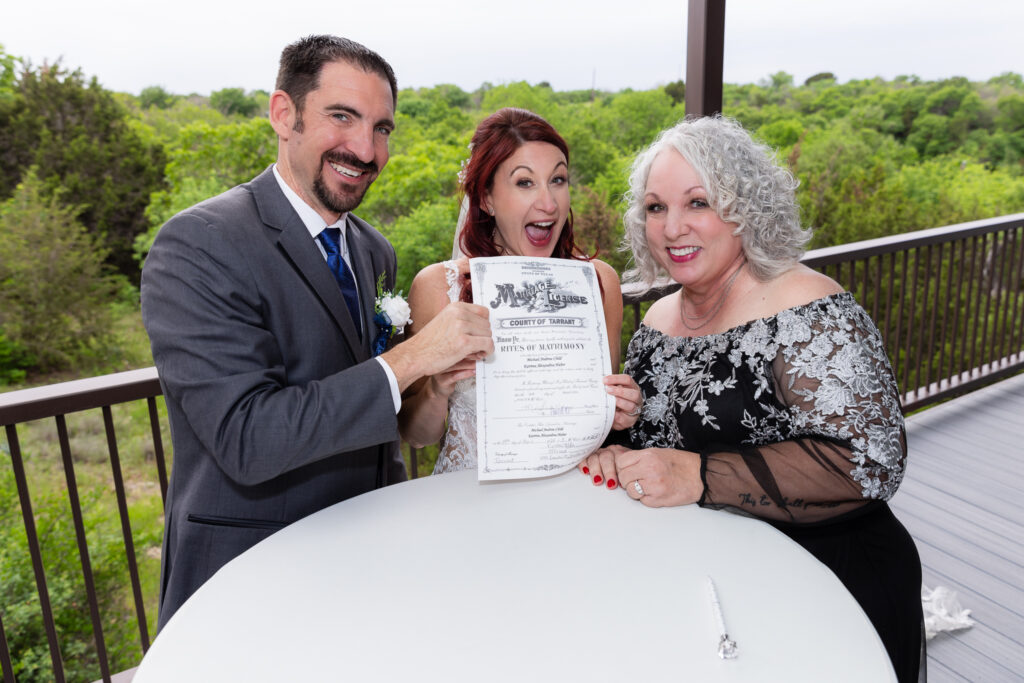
point(611, 483)
point(597, 478)
point(586, 470)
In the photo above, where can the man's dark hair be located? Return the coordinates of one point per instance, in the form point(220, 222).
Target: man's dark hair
point(301, 62)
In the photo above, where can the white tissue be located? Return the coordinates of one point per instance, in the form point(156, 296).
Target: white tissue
point(942, 611)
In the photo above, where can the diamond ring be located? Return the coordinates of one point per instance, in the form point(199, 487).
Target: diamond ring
point(638, 488)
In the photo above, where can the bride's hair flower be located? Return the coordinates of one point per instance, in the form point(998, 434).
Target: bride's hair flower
point(462, 167)
point(391, 315)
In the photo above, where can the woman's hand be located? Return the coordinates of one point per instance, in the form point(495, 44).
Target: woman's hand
point(600, 466)
point(657, 477)
point(443, 383)
point(629, 400)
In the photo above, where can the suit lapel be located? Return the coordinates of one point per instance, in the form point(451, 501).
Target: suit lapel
point(297, 245)
point(366, 269)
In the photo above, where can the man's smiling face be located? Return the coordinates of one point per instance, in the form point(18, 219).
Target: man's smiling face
point(337, 145)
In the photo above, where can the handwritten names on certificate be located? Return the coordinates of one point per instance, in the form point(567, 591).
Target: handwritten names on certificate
point(541, 402)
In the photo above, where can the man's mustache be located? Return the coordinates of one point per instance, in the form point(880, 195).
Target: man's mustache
point(352, 161)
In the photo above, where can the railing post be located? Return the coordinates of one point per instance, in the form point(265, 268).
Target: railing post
point(34, 552)
point(705, 47)
point(6, 666)
point(83, 546)
point(158, 447)
point(126, 528)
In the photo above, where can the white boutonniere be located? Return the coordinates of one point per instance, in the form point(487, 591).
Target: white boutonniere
point(391, 314)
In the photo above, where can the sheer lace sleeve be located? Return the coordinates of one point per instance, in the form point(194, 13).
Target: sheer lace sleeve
point(828, 437)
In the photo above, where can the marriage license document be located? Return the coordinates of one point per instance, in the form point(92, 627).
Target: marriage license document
point(541, 402)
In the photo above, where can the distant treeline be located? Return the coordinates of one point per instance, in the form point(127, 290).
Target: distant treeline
point(874, 157)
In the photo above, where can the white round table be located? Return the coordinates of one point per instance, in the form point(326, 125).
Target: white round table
point(447, 579)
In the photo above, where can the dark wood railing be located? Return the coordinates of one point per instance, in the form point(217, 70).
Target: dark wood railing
point(949, 302)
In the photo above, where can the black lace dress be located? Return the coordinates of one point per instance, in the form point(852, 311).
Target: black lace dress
point(797, 421)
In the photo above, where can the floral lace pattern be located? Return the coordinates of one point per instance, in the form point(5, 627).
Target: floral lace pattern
point(458, 445)
point(811, 382)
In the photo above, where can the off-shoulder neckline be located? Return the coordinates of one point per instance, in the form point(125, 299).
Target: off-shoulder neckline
point(845, 294)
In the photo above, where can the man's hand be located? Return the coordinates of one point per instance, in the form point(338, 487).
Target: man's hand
point(459, 332)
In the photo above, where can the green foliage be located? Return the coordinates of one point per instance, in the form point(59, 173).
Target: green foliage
point(163, 126)
point(422, 237)
point(820, 76)
point(234, 102)
point(1011, 113)
point(77, 137)
point(435, 115)
point(15, 360)
point(597, 226)
point(156, 96)
point(54, 292)
point(520, 94)
point(633, 119)
point(677, 91)
point(425, 173)
point(22, 614)
point(206, 160)
point(781, 133)
point(851, 144)
point(589, 154)
point(8, 73)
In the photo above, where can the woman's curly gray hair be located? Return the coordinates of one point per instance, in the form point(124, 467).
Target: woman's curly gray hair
point(745, 186)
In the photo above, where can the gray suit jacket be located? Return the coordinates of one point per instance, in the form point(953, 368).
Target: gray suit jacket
point(276, 408)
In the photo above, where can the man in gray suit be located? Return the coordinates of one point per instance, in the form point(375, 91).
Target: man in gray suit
point(276, 407)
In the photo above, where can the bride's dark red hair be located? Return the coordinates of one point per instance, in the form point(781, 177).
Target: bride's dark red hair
point(495, 140)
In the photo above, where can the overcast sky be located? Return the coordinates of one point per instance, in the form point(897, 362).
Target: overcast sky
point(205, 45)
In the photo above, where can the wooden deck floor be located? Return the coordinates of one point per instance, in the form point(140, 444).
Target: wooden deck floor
point(963, 501)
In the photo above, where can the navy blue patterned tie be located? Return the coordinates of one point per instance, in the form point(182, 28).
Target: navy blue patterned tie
point(330, 238)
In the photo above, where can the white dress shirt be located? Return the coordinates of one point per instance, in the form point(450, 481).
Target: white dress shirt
point(315, 224)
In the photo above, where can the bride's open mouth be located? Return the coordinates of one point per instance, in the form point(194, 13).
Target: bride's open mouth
point(539, 233)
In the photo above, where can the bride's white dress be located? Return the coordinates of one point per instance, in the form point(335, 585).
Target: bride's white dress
point(458, 445)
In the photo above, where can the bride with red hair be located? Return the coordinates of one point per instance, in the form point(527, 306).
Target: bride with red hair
point(515, 190)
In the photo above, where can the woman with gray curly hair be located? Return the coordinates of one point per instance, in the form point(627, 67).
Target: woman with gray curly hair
point(766, 387)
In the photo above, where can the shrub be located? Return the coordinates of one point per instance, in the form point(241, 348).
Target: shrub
point(14, 361)
point(54, 291)
point(22, 616)
point(78, 137)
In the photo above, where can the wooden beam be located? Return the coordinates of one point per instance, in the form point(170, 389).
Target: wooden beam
point(705, 45)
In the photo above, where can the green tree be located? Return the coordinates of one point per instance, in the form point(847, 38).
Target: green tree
point(597, 226)
point(427, 172)
point(782, 133)
point(156, 96)
point(677, 91)
point(432, 115)
point(165, 125)
point(54, 293)
point(820, 76)
point(422, 237)
point(590, 151)
point(79, 139)
point(234, 101)
point(840, 169)
point(1011, 113)
point(8, 73)
point(204, 161)
point(520, 94)
point(633, 118)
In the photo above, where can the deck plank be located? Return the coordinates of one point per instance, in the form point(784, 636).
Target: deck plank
point(960, 500)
